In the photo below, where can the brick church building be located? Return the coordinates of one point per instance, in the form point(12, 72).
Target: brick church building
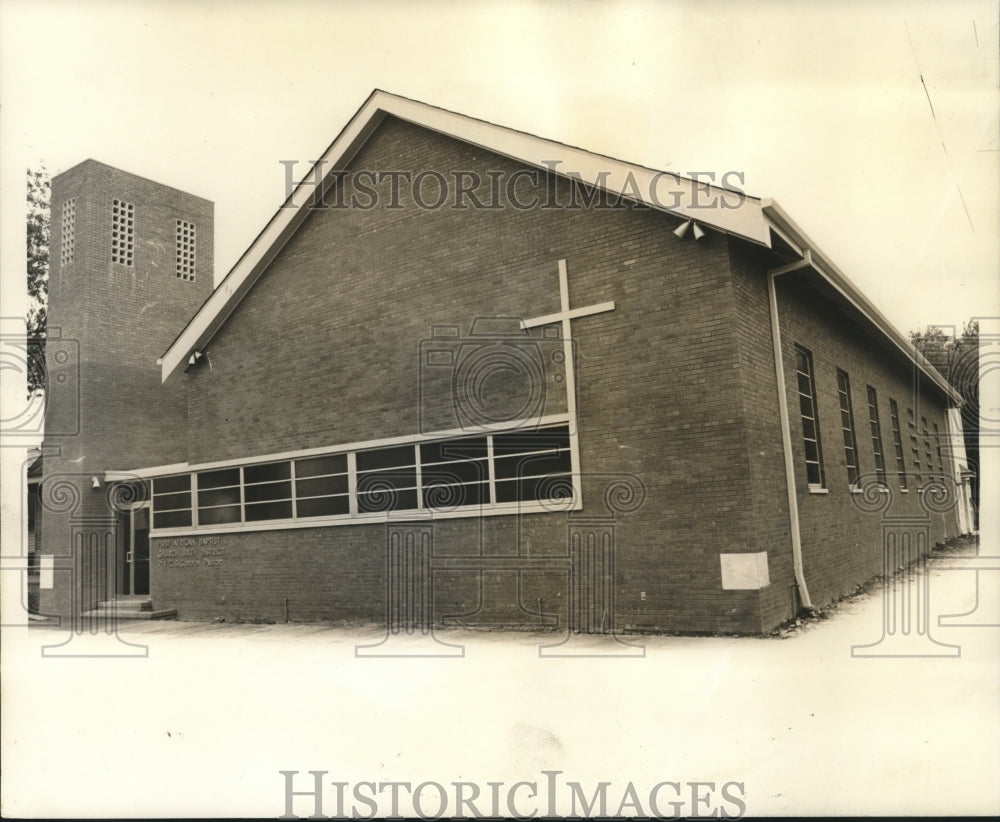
point(468, 376)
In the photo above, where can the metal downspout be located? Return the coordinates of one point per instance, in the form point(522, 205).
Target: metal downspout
point(786, 434)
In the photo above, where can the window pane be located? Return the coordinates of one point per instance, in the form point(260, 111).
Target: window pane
point(221, 496)
point(455, 472)
point(847, 426)
point(321, 486)
point(172, 519)
point(214, 516)
point(316, 466)
point(216, 479)
point(465, 449)
point(380, 480)
point(166, 502)
point(537, 488)
point(806, 407)
point(812, 473)
point(521, 441)
point(812, 452)
point(322, 507)
point(269, 510)
point(808, 429)
point(455, 496)
point(162, 485)
point(387, 499)
point(267, 491)
point(524, 466)
point(267, 473)
point(386, 458)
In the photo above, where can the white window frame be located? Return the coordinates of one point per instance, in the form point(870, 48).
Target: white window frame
point(814, 487)
point(354, 517)
point(849, 431)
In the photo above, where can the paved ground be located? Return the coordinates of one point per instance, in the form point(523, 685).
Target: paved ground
point(204, 724)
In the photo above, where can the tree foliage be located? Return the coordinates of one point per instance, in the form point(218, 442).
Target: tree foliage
point(39, 196)
point(957, 358)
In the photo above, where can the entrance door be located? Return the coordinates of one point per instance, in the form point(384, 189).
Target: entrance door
point(135, 568)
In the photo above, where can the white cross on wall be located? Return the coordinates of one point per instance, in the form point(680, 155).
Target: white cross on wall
point(564, 315)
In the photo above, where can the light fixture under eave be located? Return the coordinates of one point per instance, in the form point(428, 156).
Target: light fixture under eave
point(95, 482)
point(681, 230)
point(195, 356)
point(699, 232)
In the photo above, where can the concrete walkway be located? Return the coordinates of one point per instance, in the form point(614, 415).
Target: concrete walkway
point(203, 724)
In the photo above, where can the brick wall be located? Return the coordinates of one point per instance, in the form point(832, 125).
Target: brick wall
point(113, 321)
point(324, 350)
point(676, 386)
point(842, 535)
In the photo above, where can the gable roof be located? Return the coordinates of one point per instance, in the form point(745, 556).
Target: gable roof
point(758, 221)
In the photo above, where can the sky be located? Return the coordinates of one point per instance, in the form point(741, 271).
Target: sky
point(874, 126)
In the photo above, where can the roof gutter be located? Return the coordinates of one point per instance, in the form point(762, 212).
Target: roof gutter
point(786, 433)
point(785, 227)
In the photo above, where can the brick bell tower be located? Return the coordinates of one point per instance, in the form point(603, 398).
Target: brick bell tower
point(131, 261)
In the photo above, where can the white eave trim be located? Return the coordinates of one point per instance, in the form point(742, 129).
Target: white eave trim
point(657, 189)
point(785, 227)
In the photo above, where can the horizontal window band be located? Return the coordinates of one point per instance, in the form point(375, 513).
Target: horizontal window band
point(216, 510)
point(498, 470)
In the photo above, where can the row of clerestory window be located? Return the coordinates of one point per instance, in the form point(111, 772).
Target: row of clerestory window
point(925, 459)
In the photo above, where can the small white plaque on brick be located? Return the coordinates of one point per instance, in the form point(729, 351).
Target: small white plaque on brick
point(744, 572)
point(46, 570)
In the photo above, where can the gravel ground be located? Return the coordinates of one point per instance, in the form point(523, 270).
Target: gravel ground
point(789, 724)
